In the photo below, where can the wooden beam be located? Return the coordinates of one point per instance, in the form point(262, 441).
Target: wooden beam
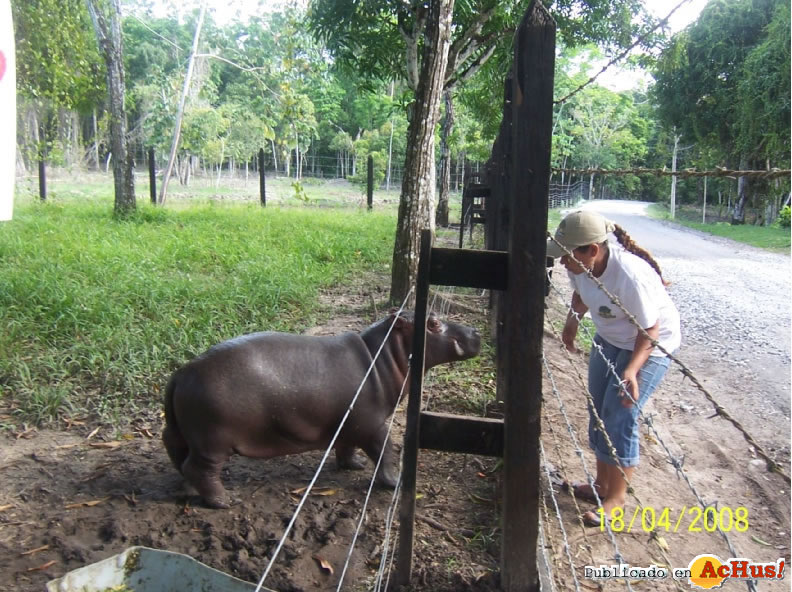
point(532, 118)
point(469, 268)
point(476, 190)
point(460, 433)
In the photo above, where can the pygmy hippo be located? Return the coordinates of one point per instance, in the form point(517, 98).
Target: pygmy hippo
point(271, 394)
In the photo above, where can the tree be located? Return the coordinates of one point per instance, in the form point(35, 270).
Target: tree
point(56, 72)
point(106, 18)
point(700, 75)
point(372, 37)
point(180, 111)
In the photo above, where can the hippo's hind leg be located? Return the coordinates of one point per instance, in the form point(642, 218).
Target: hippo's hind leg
point(347, 459)
point(204, 474)
point(177, 447)
point(373, 446)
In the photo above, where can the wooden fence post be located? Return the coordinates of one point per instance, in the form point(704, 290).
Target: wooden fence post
point(410, 450)
point(42, 179)
point(370, 182)
point(532, 109)
point(152, 176)
point(262, 180)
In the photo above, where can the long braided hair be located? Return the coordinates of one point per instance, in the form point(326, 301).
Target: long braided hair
point(626, 241)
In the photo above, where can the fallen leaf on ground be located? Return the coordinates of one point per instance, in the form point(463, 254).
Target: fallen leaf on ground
point(314, 491)
point(6, 507)
point(114, 444)
point(88, 504)
point(756, 539)
point(43, 566)
point(92, 434)
point(324, 564)
point(36, 550)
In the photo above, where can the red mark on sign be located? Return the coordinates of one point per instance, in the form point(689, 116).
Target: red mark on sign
point(2, 65)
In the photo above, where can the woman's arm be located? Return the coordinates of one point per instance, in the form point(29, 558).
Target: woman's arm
point(574, 316)
point(643, 348)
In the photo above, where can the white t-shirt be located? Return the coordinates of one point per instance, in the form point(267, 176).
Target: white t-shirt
point(640, 290)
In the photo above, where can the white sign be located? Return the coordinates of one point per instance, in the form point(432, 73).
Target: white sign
point(7, 111)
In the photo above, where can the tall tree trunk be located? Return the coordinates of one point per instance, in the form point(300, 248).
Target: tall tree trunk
point(390, 147)
point(108, 34)
point(182, 101)
point(738, 216)
point(97, 164)
point(441, 217)
point(416, 204)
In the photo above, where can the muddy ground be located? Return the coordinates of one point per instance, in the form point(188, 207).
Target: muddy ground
point(76, 495)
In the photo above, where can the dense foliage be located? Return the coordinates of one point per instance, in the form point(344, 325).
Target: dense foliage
point(722, 90)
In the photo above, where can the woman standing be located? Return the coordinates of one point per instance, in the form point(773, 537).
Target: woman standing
point(631, 274)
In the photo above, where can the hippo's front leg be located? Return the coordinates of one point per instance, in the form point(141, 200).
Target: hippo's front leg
point(347, 459)
point(373, 446)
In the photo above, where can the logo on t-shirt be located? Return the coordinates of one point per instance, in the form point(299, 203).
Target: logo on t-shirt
point(606, 313)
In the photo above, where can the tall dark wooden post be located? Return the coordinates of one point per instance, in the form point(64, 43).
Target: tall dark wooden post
point(262, 180)
point(42, 179)
point(370, 183)
point(532, 112)
point(410, 451)
point(152, 176)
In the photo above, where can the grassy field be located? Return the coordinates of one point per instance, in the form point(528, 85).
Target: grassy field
point(767, 237)
point(97, 312)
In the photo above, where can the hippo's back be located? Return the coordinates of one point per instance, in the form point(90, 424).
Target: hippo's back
point(250, 391)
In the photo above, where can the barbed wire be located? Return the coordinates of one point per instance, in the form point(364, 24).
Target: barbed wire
point(772, 465)
point(385, 443)
point(772, 173)
point(612, 453)
point(620, 56)
point(649, 422)
point(558, 515)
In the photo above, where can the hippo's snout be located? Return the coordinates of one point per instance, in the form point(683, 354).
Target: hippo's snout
point(468, 344)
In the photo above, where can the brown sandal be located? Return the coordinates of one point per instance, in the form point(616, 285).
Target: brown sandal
point(579, 492)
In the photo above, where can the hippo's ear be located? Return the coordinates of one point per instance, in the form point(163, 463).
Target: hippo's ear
point(434, 324)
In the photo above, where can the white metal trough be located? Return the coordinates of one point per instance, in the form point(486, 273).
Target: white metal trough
point(141, 569)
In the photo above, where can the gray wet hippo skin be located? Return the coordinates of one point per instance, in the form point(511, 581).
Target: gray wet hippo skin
point(271, 394)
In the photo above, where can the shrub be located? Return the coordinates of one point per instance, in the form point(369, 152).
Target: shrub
point(784, 217)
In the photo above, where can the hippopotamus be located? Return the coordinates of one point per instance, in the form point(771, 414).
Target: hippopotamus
point(271, 394)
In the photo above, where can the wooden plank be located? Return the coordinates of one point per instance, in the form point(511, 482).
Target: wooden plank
point(534, 60)
point(469, 268)
point(411, 430)
point(475, 190)
point(460, 433)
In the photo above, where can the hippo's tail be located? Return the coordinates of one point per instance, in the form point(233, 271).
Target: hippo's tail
point(172, 437)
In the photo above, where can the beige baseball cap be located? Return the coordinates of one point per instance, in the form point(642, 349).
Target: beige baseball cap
point(579, 229)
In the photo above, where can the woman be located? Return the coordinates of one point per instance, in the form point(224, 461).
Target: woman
point(631, 274)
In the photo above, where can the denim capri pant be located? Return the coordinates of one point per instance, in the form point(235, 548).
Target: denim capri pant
point(621, 423)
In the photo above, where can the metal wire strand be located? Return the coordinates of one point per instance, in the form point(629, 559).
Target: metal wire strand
point(327, 451)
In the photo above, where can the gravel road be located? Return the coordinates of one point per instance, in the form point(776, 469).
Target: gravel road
point(734, 301)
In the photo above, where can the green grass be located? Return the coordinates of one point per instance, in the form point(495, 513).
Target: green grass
point(96, 312)
point(766, 237)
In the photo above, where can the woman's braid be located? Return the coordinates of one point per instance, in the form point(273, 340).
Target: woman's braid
point(629, 244)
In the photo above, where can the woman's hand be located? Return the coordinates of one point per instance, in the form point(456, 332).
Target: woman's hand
point(569, 333)
point(575, 314)
point(630, 393)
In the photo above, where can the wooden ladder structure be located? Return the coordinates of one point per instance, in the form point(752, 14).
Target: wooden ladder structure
point(473, 206)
